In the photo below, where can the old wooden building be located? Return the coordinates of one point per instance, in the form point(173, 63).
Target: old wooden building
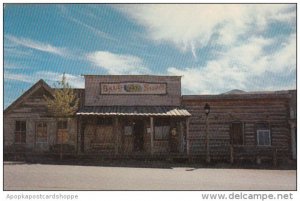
point(242, 125)
point(145, 115)
point(132, 114)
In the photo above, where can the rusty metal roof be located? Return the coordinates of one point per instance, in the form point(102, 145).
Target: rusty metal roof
point(134, 111)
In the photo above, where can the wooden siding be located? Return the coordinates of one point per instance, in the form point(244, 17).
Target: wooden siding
point(32, 109)
point(273, 111)
point(93, 97)
point(125, 143)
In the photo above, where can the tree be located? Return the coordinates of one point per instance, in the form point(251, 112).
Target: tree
point(63, 104)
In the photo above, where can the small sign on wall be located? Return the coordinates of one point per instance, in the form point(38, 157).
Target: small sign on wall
point(133, 88)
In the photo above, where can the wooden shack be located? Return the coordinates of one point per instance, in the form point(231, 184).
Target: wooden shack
point(29, 127)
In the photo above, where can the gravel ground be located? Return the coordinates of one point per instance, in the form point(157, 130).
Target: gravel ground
point(22, 176)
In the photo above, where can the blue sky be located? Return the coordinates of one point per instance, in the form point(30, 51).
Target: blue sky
point(216, 48)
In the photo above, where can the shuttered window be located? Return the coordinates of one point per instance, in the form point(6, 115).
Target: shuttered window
point(20, 132)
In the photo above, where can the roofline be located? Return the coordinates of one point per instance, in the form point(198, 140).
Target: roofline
point(237, 96)
point(139, 75)
point(19, 99)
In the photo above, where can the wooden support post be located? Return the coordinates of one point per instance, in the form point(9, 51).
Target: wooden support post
point(181, 137)
point(207, 141)
point(152, 135)
point(275, 162)
point(187, 136)
point(231, 154)
point(116, 133)
point(82, 129)
point(78, 119)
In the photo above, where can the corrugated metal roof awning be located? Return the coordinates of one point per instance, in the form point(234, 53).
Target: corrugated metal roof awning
point(134, 111)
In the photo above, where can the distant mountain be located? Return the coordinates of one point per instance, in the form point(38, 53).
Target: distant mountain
point(235, 91)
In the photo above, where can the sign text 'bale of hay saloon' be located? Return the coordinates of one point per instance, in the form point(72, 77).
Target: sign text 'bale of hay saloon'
point(133, 88)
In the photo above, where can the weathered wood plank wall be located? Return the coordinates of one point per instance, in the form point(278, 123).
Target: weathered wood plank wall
point(272, 110)
point(33, 109)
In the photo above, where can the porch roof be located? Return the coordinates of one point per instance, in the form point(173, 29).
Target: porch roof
point(134, 111)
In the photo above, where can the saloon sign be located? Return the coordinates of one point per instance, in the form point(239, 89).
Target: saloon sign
point(133, 88)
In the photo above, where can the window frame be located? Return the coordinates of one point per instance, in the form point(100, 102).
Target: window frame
point(20, 132)
point(45, 126)
point(162, 122)
point(166, 134)
point(269, 136)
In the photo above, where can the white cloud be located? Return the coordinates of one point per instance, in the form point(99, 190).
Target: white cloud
point(54, 77)
point(240, 67)
point(9, 76)
point(44, 47)
point(70, 15)
point(285, 58)
point(192, 26)
point(50, 77)
point(117, 63)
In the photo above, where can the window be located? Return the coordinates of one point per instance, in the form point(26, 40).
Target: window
point(62, 124)
point(237, 136)
point(161, 129)
point(263, 137)
point(263, 134)
point(41, 132)
point(162, 132)
point(20, 132)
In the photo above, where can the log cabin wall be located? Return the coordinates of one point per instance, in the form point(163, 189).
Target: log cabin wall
point(249, 110)
point(293, 122)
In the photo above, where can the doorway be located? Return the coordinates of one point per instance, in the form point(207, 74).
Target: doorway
point(138, 135)
point(237, 137)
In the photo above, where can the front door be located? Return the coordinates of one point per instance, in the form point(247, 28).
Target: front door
point(138, 135)
point(237, 133)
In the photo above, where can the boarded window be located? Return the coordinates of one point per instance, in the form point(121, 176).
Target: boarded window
point(263, 134)
point(41, 132)
point(104, 134)
point(62, 132)
point(20, 132)
point(237, 133)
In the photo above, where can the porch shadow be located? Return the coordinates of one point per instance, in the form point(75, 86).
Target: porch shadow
point(152, 163)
